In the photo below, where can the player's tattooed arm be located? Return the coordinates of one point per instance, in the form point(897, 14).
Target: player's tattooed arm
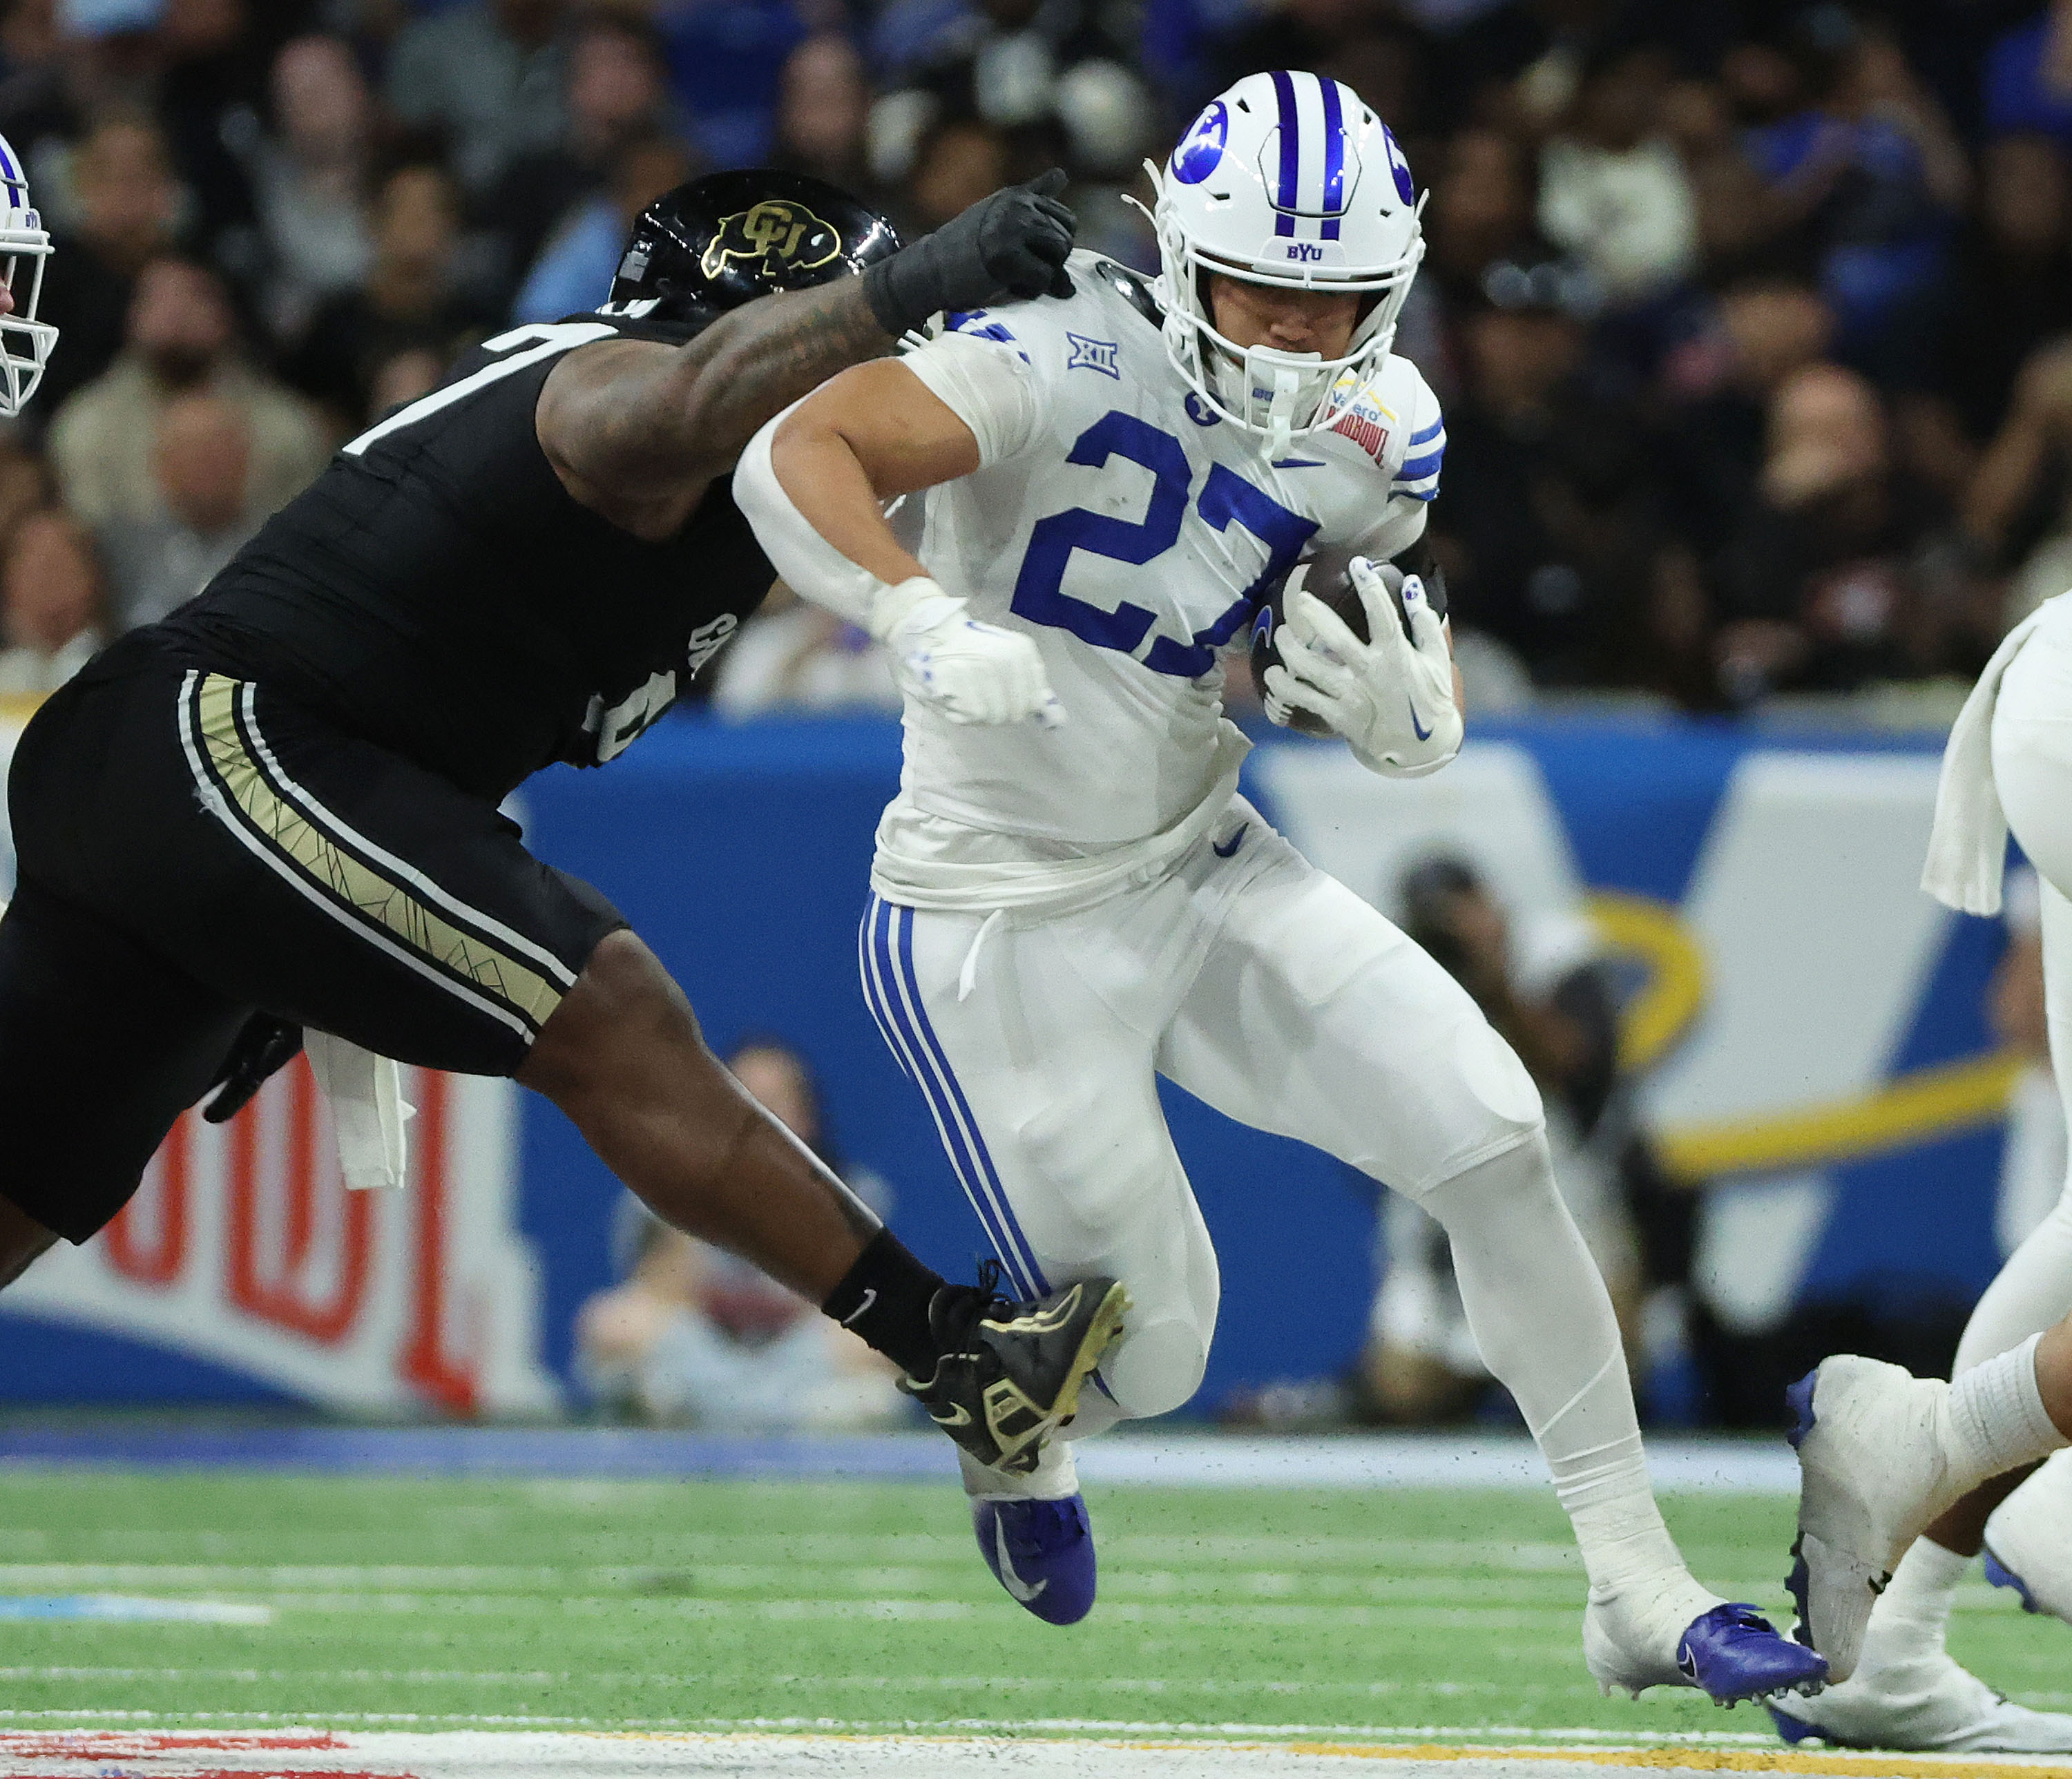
point(636, 431)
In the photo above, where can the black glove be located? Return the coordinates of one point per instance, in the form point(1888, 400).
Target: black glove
point(1011, 244)
point(263, 1045)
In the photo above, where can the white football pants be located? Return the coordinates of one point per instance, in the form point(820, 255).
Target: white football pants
point(2032, 773)
point(1274, 993)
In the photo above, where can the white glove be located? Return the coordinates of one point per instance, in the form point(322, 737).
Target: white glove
point(1391, 698)
point(968, 672)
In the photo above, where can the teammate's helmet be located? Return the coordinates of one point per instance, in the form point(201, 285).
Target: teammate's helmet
point(720, 241)
point(1286, 180)
point(24, 342)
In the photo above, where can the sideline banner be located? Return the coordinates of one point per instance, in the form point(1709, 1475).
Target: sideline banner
point(1812, 1024)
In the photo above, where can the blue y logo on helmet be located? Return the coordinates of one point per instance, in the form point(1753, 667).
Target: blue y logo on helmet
point(1406, 188)
point(1200, 152)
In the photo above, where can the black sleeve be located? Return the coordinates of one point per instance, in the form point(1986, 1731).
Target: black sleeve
point(1418, 560)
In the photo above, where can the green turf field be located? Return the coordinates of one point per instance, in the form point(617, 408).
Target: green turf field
point(644, 1603)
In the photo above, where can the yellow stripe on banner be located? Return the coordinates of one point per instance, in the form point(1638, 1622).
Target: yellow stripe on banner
point(1928, 1104)
point(1661, 1011)
point(1791, 1761)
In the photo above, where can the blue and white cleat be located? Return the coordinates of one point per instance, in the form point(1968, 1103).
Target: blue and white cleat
point(1871, 1475)
point(1729, 1652)
point(1041, 1552)
point(2028, 1541)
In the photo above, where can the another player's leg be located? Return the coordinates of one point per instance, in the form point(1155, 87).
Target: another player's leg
point(1316, 1018)
point(1883, 1456)
point(1032, 1045)
point(22, 1239)
point(1907, 1691)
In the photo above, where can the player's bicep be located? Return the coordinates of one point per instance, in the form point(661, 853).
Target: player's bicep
point(905, 437)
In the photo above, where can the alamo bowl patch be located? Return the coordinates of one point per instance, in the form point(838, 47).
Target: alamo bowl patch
point(777, 238)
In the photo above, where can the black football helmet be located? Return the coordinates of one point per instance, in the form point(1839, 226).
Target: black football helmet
point(718, 242)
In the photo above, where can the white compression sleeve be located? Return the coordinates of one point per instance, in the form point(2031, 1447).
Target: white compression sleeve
point(811, 566)
point(1540, 1313)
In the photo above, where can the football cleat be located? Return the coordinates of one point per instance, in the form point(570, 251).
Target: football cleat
point(1729, 1652)
point(1009, 1373)
point(1872, 1476)
point(2028, 1541)
point(1917, 1700)
point(1041, 1552)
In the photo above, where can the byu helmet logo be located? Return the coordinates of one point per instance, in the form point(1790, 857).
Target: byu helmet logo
point(785, 237)
point(1198, 157)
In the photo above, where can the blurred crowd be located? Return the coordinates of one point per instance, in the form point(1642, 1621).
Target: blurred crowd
point(1753, 322)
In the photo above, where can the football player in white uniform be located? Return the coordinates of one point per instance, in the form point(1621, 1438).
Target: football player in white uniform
point(25, 340)
point(1070, 896)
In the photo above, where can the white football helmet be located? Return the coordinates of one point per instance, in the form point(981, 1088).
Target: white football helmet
point(24, 342)
point(1286, 180)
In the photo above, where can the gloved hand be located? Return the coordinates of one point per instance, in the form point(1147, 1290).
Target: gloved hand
point(1011, 244)
point(264, 1045)
point(968, 672)
point(1391, 698)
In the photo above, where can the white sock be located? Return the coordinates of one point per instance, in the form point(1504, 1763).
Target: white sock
point(1056, 1476)
point(1915, 1606)
point(1543, 1320)
point(1997, 1421)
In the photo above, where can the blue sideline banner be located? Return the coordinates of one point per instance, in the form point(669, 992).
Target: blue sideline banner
point(1810, 1025)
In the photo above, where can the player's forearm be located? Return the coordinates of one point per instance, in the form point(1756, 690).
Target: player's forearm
point(762, 357)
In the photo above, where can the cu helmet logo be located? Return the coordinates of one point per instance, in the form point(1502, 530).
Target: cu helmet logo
point(779, 235)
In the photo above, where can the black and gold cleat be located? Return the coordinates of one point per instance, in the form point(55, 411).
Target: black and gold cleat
point(1010, 1373)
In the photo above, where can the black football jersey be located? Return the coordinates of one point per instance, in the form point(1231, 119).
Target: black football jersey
point(439, 591)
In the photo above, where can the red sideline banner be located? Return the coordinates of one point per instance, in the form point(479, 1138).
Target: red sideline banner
point(245, 1248)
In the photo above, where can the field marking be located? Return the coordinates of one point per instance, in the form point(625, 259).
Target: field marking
point(120, 1609)
point(95, 1751)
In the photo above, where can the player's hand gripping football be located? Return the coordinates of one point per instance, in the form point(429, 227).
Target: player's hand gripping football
point(968, 672)
point(1391, 698)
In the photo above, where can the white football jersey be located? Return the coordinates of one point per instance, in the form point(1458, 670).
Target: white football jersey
point(1132, 534)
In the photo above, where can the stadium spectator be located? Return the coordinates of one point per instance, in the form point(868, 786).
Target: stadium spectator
point(617, 96)
point(487, 75)
point(415, 296)
point(1559, 1009)
point(124, 203)
point(52, 604)
point(575, 271)
point(402, 377)
point(182, 339)
point(2011, 283)
point(824, 113)
point(310, 177)
point(1614, 193)
point(695, 1336)
point(725, 57)
point(795, 656)
point(201, 461)
point(1829, 583)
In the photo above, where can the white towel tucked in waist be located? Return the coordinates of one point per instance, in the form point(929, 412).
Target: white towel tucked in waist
point(365, 1094)
point(1967, 847)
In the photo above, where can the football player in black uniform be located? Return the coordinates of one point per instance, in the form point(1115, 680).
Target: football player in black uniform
point(277, 808)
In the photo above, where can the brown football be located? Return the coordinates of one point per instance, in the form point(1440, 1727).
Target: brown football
point(1328, 576)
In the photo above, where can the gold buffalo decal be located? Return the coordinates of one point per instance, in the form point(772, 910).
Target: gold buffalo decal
point(785, 237)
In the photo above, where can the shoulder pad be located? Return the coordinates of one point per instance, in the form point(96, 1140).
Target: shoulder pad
point(1134, 289)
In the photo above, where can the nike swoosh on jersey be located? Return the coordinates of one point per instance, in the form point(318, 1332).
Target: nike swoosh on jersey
point(1422, 733)
point(869, 1297)
point(1012, 1583)
point(1301, 464)
point(1228, 849)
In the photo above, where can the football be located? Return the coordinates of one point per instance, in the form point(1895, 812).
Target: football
point(1327, 575)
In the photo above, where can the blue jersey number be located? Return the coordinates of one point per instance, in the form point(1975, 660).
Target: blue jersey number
point(1039, 594)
